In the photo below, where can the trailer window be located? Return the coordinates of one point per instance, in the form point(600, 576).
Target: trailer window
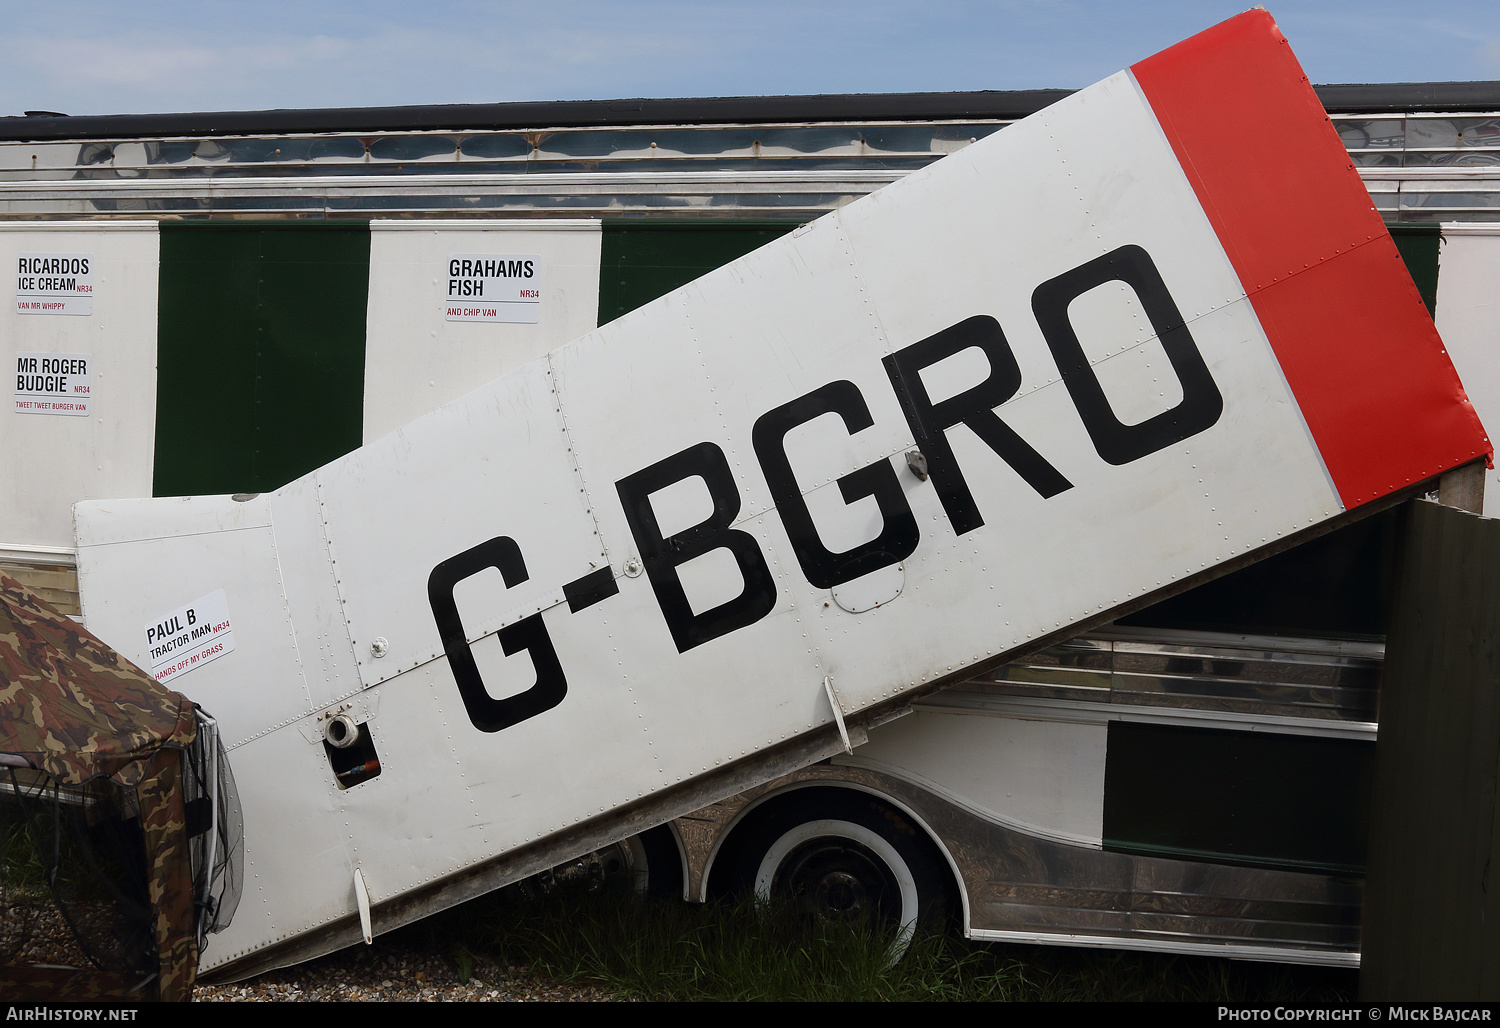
point(641, 261)
point(260, 352)
point(1290, 801)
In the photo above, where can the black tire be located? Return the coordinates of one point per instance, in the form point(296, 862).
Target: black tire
point(841, 855)
point(649, 864)
point(663, 862)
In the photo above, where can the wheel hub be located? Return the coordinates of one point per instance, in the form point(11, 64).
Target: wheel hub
point(841, 895)
point(839, 880)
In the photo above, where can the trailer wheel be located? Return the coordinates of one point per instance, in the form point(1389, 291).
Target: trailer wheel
point(649, 864)
point(844, 856)
point(658, 852)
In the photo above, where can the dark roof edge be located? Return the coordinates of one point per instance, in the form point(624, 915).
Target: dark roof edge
point(1458, 97)
point(543, 114)
point(1396, 97)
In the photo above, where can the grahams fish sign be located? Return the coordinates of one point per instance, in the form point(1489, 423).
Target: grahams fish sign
point(1149, 330)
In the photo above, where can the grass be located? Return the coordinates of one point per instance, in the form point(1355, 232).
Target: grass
point(663, 950)
point(23, 874)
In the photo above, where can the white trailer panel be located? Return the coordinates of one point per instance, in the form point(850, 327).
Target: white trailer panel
point(1468, 316)
point(56, 461)
point(416, 358)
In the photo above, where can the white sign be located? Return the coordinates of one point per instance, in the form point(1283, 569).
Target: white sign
point(493, 287)
point(52, 383)
point(55, 283)
point(190, 636)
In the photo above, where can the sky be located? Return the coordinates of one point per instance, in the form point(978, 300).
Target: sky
point(155, 56)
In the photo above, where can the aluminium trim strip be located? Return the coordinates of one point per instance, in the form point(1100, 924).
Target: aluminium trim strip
point(958, 700)
point(1232, 951)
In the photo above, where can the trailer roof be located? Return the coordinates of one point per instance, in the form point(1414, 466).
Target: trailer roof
point(1376, 98)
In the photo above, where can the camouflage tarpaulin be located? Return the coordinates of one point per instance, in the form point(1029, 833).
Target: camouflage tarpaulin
point(71, 705)
point(79, 720)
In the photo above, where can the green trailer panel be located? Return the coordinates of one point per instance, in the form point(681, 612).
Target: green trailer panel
point(261, 352)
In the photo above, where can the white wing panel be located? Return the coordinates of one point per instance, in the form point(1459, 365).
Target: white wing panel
point(493, 464)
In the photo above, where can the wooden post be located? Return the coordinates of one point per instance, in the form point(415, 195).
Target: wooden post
point(1432, 894)
point(1463, 488)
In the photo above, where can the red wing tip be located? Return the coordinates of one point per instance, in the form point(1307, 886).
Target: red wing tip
point(1256, 21)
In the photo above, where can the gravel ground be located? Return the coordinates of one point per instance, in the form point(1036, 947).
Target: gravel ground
point(397, 967)
point(398, 972)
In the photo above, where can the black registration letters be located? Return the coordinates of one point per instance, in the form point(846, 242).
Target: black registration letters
point(1116, 442)
point(974, 407)
point(488, 713)
point(662, 556)
point(898, 533)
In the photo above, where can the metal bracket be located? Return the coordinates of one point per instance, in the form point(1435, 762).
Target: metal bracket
point(838, 713)
point(362, 898)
